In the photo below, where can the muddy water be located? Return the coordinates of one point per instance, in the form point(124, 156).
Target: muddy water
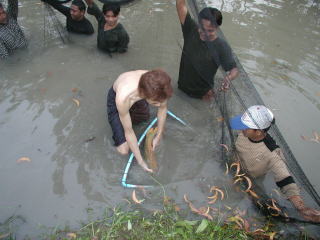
point(278, 44)
point(68, 175)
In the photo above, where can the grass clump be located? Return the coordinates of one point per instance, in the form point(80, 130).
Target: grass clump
point(135, 225)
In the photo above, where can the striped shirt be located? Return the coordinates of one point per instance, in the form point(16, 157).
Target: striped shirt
point(11, 35)
point(263, 156)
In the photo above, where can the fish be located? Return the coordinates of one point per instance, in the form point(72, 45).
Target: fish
point(148, 149)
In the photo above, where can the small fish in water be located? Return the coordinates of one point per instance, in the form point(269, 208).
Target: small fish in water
point(90, 139)
point(148, 149)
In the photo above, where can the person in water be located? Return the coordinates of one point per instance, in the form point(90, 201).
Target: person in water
point(112, 36)
point(75, 16)
point(203, 52)
point(11, 35)
point(129, 92)
point(259, 154)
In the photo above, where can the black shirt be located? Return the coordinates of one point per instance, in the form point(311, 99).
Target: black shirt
point(114, 40)
point(200, 60)
point(83, 26)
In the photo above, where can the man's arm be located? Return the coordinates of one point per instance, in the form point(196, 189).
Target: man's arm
point(94, 10)
point(58, 6)
point(162, 116)
point(131, 137)
point(182, 10)
point(232, 74)
point(13, 8)
point(289, 188)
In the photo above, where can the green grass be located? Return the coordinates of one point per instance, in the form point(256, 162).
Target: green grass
point(159, 225)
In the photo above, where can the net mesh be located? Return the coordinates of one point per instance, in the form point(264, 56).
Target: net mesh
point(53, 28)
point(241, 96)
point(206, 136)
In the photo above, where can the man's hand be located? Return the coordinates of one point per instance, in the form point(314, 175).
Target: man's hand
point(208, 96)
point(310, 214)
point(145, 166)
point(89, 2)
point(225, 85)
point(307, 213)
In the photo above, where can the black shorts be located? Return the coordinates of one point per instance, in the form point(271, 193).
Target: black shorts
point(139, 112)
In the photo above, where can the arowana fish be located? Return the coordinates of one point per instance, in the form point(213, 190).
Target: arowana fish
point(148, 150)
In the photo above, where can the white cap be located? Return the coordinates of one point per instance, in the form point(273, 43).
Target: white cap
point(256, 117)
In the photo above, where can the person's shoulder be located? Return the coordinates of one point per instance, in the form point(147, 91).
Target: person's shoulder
point(270, 143)
point(220, 42)
point(120, 27)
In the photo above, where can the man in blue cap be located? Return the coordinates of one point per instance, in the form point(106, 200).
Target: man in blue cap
point(259, 154)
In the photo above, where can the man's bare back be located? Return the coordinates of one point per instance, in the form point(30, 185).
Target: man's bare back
point(126, 88)
point(153, 87)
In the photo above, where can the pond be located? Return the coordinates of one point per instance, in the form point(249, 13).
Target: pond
point(74, 168)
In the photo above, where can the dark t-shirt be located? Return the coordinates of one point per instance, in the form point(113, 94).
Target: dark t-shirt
point(114, 40)
point(83, 26)
point(200, 60)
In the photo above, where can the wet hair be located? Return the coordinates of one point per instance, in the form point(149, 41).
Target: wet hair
point(211, 14)
point(80, 4)
point(115, 8)
point(267, 129)
point(155, 85)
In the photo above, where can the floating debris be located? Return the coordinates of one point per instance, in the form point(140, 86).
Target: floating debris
point(315, 139)
point(23, 159)
point(238, 168)
point(135, 199)
point(71, 235)
point(220, 119)
point(215, 196)
point(90, 139)
point(253, 194)
point(76, 101)
point(225, 146)
point(202, 211)
point(248, 180)
point(227, 169)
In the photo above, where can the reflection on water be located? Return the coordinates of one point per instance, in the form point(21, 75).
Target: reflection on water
point(67, 174)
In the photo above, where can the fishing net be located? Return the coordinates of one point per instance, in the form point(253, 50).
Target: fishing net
point(53, 28)
point(241, 95)
point(119, 2)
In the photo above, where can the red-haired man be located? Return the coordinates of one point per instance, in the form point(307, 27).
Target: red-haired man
point(128, 99)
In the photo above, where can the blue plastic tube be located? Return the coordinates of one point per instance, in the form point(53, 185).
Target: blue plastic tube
point(126, 170)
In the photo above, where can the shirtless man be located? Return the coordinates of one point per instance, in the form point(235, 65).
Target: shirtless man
point(152, 87)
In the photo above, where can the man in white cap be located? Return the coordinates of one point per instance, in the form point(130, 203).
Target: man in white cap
point(259, 154)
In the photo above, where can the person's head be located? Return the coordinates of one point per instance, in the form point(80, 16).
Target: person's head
point(209, 20)
point(77, 10)
point(254, 123)
point(155, 87)
point(3, 14)
point(111, 14)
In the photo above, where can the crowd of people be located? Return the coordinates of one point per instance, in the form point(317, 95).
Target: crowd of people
point(132, 92)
